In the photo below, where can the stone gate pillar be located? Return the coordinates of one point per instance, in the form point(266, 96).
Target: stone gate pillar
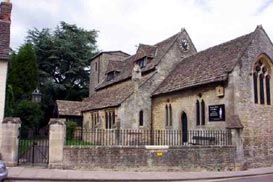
point(57, 133)
point(10, 140)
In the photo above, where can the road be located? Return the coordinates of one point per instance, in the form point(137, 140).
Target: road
point(264, 178)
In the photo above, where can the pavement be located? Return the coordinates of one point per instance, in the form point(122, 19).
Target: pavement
point(43, 174)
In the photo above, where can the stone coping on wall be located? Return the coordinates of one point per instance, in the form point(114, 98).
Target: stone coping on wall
point(153, 147)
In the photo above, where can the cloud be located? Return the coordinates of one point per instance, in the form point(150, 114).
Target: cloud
point(124, 24)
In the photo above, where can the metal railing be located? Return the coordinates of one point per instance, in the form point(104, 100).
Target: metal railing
point(130, 137)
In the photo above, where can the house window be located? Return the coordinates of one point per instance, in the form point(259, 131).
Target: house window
point(169, 115)
point(200, 113)
point(141, 118)
point(109, 119)
point(96, 66)
point(111, 75)
point(261, 81)
point(203, 113)
point(95, 119)
point(255, 87)
point(197, 113)
point(267, 85)
point(142, 62)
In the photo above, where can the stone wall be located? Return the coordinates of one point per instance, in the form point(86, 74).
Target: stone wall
point(141, 99)
point(194, 158)
point(256, 118)
point(185, 101)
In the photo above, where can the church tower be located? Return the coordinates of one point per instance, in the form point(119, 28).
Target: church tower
point(99, 64)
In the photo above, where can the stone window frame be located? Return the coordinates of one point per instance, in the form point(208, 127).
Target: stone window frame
point(95, 120)
point(200, 112)
point(168, 116)
point(110, 118)
point(262, 71)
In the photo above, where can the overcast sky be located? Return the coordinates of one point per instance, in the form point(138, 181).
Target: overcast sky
point(123, 24)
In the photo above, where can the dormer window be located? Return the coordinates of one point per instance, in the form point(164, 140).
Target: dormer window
point(111, 75)
point(142, 62)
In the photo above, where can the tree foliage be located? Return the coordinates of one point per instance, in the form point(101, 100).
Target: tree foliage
point(63, 59)
point(56, 61)
point(23, 73)
point(30, 113)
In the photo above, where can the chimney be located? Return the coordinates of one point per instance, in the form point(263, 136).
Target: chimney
point(5, 13)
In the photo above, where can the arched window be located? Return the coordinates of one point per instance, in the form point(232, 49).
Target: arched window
point(167, 115)
point(141, 118)
point(197, 113)
point(171, 115)
point(267, 86)
point(261, 81)
point(203, 112)
point(255, 87)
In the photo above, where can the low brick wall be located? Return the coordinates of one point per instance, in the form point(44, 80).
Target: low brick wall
point(186, 158)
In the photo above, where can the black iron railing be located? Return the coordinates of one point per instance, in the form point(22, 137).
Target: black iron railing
point(130, 137)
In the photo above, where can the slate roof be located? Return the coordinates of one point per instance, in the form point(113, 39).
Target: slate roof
point(112, 96)
point(156, 52)
point(208, 66)
point(70, 108)
point(114, 65)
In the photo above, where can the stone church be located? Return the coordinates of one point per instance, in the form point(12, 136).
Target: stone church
point(169, 85)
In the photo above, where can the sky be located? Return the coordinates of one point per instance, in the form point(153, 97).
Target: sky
point(123, 24)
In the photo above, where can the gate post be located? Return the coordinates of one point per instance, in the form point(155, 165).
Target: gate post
point(10, 140)
point(57, 133)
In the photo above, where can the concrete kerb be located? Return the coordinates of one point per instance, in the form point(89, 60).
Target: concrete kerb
point(179, 176)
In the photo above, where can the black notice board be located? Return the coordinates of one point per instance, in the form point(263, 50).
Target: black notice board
point(217, 112)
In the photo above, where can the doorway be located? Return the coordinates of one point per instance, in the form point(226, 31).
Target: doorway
point(184, 121)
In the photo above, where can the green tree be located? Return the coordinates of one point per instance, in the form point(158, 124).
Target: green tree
point(63, 59)
point(23, 73)
point(30, 114)
point(10, 100)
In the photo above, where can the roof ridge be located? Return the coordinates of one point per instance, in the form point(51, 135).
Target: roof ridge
point(241, 41)
point(221, 44)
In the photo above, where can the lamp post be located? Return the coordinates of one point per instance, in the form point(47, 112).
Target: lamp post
point(36, 96)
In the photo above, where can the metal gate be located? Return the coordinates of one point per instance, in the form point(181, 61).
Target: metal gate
point(33, 147)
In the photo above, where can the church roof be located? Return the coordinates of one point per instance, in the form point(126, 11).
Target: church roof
point(114, 65)
point(110, 97)
point(69, 108)
point(156, 52)
point(208, 66)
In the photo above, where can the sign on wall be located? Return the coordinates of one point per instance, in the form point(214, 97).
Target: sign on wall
point(217, 112)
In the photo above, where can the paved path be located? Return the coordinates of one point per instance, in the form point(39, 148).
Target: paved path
point(40, 174)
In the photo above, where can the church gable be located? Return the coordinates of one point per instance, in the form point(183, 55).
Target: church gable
point(149, 56)
point(208, 66)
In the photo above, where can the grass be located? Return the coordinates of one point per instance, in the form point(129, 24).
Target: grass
point(77, 142)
